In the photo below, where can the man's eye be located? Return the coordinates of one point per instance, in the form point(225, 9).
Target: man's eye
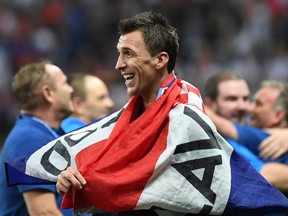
point(129, 54)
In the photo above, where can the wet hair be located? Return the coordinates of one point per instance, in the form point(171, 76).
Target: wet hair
point(211, 86)
point(27, 84)
point(157, 34)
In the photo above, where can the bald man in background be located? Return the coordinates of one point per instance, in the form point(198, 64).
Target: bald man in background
point(90, 99)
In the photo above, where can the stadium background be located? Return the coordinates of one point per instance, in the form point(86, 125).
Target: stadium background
point(250, 37)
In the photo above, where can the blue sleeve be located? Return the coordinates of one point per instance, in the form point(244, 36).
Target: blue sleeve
point(69, 124)
point(52, 188)
point(255, 161)
point(23, 188)
point(251, 137)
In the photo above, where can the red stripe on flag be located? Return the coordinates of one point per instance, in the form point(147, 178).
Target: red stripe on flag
point(121, 168)
point(122, 185)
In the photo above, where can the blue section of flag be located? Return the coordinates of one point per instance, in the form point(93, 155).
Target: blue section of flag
point(17, 176)
point(239, 190)
point(250, 193)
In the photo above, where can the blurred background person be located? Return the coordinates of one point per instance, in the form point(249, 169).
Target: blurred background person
point(269, 107)
point(44, 99)
point(248, 36)
point(226, 99)
point(90, 99)
point(269, 110)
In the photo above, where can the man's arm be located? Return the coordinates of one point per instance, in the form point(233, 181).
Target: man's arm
point(249, 136)
point(276, 174)
point(41, 202)
point(224, 126)
point(275, 145)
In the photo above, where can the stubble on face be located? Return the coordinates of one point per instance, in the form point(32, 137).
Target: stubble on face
point(232, 101)
point(136, 65)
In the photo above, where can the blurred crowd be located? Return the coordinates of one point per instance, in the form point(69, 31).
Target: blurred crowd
point(250, 37)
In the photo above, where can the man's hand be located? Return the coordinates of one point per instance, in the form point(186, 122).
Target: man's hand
point(67, 179)
point(275, 145)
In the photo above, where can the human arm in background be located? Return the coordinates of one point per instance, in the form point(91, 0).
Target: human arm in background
point(250, 136)
point(224, 126)
point(275, 145)
point(276, 174)
point(41, 202)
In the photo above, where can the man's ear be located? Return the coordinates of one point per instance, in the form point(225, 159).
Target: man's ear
point(47, 93)
point(161, 60)
point(77, 105)
point(208, 102)
point(280, 117)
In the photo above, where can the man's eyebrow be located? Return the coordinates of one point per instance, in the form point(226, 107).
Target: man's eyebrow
point(126, 49)
point(231, 97)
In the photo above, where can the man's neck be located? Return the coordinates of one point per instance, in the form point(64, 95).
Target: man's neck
point(149, 99)
point(83, 118)
point(45, 116)
point(147, 102)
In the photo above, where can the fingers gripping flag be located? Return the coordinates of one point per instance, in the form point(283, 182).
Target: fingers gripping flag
point(169, 158)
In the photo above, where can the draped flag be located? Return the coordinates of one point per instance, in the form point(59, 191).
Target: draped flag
point(170, 158)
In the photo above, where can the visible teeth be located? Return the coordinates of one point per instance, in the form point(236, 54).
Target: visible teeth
point(128, 76)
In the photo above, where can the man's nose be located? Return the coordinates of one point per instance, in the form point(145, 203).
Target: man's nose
point(244, 105)
point(120, 64)
point(109, 103)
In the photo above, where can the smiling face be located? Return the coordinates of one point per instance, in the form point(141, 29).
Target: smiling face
point(232, 100)
point(264, 111)
point(139, 69)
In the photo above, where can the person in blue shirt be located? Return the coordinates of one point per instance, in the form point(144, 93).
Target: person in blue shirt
point(269, 109)
point(44, 99)
point(90, 99)
point(227, 104)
